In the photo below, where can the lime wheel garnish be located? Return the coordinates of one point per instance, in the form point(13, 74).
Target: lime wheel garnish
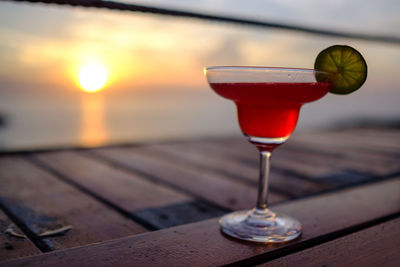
point(343, 66)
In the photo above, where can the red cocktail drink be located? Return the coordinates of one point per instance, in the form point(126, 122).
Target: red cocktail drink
point(270, 109)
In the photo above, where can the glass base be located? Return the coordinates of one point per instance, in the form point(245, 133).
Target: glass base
point(259, 225)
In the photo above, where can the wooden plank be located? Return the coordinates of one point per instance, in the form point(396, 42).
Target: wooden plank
point(211, 156)
point(375, 246)
point(288, 173)
point(13, 244)
point(199, 182)
point(321, 166)
point(128, 190)
point(329, 141)
point(44, 203)
point(337, 166)
point(350, 153)
point(384, 138)
point(196, 153)
point(202, 244)
point(177, 214)
point(390, 135)
point(280, 161)
point(329, 164)
point(360, 140)
point(346, 139)
point(350, 164)
point(149, 201)
point(296, 150)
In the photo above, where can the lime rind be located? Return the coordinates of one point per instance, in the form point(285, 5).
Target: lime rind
point(343, 66)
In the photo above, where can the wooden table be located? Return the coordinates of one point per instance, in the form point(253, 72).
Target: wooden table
point(158, 204)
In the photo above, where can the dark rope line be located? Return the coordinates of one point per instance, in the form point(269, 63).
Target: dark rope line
point(188, 14)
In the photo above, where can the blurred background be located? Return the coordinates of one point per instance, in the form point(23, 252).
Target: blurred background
point(74, 76)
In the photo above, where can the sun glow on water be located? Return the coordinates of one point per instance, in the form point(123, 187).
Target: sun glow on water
point(92, 76)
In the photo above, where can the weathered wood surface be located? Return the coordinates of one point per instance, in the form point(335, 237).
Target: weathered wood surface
point(154, 205)
point(364, 139)
point(323, 217)
point(13, 242)
point(120, 191)
point(367, 247)
point(221, 158)
point(43, 203)
point(199, 182)
point(128, 190)
point(328, 157)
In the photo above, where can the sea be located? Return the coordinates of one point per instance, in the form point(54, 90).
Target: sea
point(78, 119)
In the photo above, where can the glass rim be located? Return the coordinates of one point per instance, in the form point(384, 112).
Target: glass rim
point(262, 68)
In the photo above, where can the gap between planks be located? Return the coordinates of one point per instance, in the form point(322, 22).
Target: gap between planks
point(12, 241)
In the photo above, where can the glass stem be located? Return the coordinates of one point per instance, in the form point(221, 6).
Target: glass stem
point(262, 198)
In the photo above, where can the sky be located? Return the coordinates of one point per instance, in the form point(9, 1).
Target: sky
point(359, 15)
point(134, 45)
point(43, 47)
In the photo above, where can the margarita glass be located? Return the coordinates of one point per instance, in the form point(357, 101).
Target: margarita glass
point(268, 103)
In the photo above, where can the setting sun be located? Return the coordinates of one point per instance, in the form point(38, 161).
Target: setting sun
point(92, 77)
